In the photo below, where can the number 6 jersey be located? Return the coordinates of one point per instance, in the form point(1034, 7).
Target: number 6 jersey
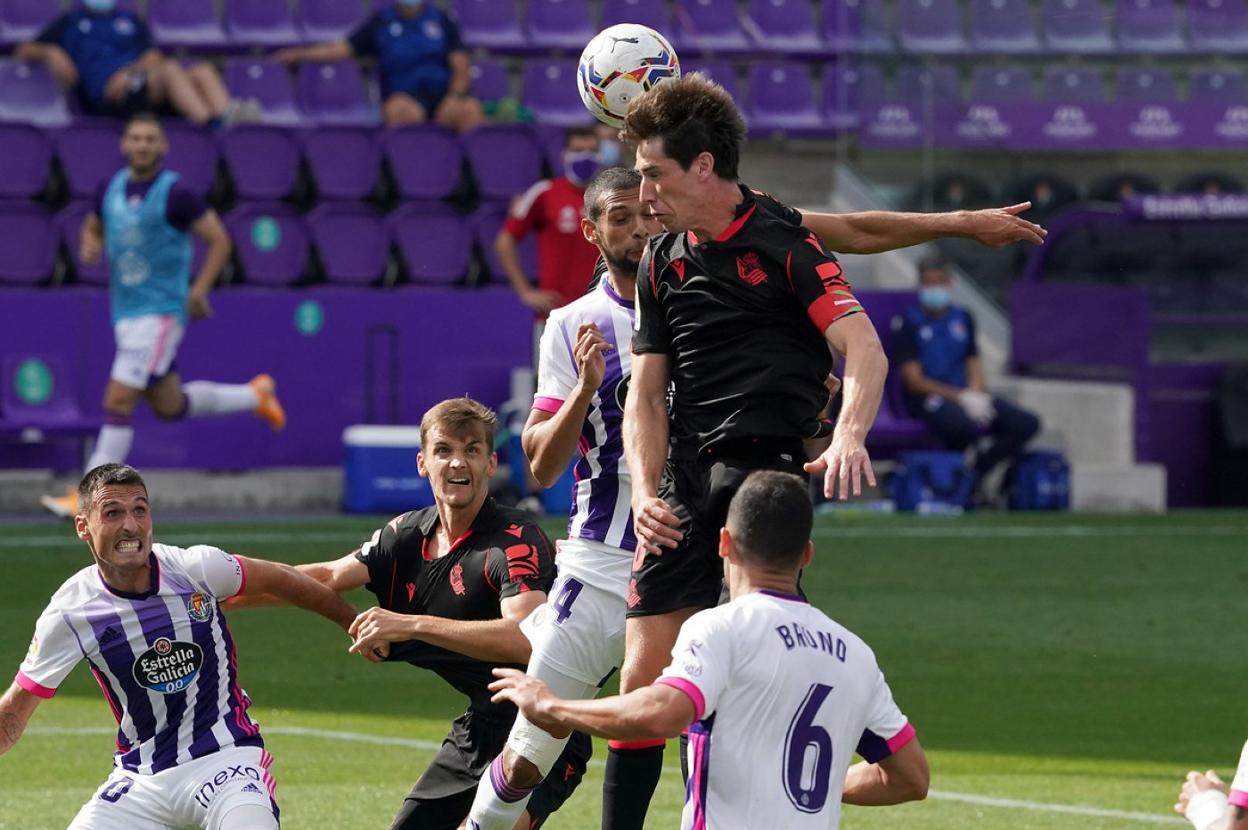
point(784, 697)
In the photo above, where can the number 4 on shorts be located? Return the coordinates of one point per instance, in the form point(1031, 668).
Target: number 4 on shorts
point(562, 603)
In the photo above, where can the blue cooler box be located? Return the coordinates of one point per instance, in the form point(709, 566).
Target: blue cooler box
point(379, 473)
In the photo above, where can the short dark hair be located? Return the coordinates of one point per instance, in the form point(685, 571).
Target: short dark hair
point(103, 476)
point(606, 183)
point(692, 115)
point(770, 519)
point(143, 118)
point(934, 262)
point(583, 131)
point(456, 416)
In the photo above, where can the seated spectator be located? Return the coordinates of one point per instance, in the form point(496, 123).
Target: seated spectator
point(424, 67)
point(937, 356)
point(107, 54)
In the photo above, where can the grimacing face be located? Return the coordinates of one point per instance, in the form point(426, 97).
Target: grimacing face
point(673, 195)
point(117, 526)
point(144, 146)
point(621, 231)
point(458, 465)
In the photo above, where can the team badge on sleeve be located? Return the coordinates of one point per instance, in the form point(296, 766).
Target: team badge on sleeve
point(33, 651)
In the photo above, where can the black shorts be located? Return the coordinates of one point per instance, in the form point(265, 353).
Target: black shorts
point(698, 491)
point(138, 99)
point(442, 797)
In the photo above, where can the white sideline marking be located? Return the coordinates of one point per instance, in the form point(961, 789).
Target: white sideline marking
point(925, 531)
point(431, 746)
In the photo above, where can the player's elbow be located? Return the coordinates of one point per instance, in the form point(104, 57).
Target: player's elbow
point(916, 784)
point(909, 776)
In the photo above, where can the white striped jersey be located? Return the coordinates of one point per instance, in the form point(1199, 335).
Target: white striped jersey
point(783, 696)
point(602, 496)
point(164, 659)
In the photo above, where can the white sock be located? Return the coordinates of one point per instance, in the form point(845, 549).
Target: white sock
point(112, 446)
point(207, 398)
point(497, 805)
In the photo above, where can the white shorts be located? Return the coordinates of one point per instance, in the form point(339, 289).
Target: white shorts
point(199, 793)
point(579, 631)
point(146, 347)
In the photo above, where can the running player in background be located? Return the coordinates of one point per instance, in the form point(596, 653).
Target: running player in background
point(453, 582)
point(143, 221)
point(1205, 802)
point(773, 691)
point(147, 620)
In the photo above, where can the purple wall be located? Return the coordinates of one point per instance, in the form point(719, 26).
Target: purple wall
point(379, 357)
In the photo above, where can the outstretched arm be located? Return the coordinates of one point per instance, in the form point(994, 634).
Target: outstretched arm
point(657, 711)
point(492, 641)
point(902, 776)
point(16, 707)
point(340, 576)
point(287, 584)
point(874, 231)
point(1203, 801)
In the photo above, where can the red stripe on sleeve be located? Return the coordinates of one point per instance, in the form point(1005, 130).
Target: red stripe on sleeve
point(831, 307)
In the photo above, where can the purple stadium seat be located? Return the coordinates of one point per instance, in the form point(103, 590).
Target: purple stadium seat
point(486, 222)
point(550, 92)
point(846, 89)
point(60, 413)
point(1077, 26)
point(1002, 26)
point(269, 83)
point(559, 24)
point(490, 24)
point(1148, 26)
point(505, 160)
point(28, 241)
point(1074, 84)
point(721, 72)
point(25, 154)
point(426, 161)
point(782, 99)
point(785, 26)
point(857, 26)
point(1218, 26)
point(28, 93)
point(185, 23)
point(69, 226)
point(320, 21)
point(652, 13)
point(1147, 86)
point(918, 84)
point(90, 154)
point(550, 139)
point(264, 23)
point(490, 81)
point(263, 161)
point(708, 26)
point(433, 241)
point(334, 93)
point(22, 20)
point(352, 242)
point(932, 27)
point(1224, 86)
point(344, 161)
point(193, 155)
point(271, 241)
point(1002, 84)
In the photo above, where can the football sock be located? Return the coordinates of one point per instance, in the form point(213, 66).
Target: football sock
point(632, 774)
point(498, 804)
point(113, 444)
point(206, 398)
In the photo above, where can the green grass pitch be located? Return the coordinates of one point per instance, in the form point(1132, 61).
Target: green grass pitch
point(1048, 662)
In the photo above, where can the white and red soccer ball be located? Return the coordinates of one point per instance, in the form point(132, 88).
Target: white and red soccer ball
point(620, 63)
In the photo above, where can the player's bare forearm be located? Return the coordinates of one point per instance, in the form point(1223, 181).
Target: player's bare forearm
point(16, 707)
point(645, 425)
point(491, 641)
point(294, 588)
point(901, 777)
point(509, 257)
point(866, 368)
point(645, 714)
point(875, 231)
point(550, 441)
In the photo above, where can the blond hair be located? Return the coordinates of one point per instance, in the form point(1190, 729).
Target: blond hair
point(458, 415)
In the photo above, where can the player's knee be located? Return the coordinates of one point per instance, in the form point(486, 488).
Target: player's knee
point(520, 771)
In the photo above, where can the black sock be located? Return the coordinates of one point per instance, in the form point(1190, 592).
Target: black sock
point(631, 778)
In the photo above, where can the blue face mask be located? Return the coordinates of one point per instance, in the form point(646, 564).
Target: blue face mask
point(581, 166)
point(100, 5)
point(937, 299)
point(609, 154)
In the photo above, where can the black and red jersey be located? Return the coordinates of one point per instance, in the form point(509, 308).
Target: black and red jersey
point(501, 555)
point(742, 319)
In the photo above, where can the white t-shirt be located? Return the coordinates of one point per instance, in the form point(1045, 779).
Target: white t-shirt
point(784, 697)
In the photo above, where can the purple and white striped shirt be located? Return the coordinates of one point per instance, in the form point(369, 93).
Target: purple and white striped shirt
point(602, 497)
point(164, 659)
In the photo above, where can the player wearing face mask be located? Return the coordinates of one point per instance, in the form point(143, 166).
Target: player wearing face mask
point(553, 209)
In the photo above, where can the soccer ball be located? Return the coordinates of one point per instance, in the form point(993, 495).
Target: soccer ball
point(620, 63)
